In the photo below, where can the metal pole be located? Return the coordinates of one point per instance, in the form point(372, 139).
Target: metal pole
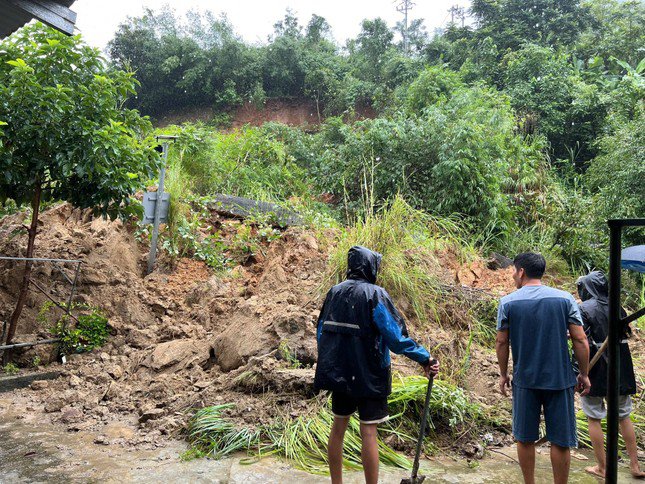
point(40, 259)
point(406, 41)
point(24, 345)
point(613, 371)
point(155, 227)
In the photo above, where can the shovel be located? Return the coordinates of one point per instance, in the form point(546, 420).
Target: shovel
point(415, 478)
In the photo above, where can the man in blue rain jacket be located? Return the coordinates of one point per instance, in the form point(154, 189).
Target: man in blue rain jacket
point(357, 328)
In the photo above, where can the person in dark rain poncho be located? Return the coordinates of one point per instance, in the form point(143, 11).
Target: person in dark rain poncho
point(357, 328)
point(594, 308)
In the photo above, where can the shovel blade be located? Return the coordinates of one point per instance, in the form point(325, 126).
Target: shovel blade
point(413, 480)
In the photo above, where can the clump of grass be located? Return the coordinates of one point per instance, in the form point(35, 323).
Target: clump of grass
point(448, 403)
point(409, 241)
point(303, 440)
point(215, 436)
point(287, 354)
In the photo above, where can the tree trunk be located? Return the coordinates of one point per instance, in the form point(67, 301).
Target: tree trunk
point(22, 296)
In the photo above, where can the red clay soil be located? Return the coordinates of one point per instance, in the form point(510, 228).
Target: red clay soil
point(292, 112)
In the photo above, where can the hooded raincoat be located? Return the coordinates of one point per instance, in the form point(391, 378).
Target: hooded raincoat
point(594, 308)
point(357, 328)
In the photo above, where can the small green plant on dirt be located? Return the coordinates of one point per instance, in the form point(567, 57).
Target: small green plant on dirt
point(36, 361)
point(286, 353)
point(8, 207)
point(90, 330)
point(10, 369)
point(249, 240)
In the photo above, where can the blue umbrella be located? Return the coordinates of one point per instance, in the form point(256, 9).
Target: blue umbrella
point(633, 258)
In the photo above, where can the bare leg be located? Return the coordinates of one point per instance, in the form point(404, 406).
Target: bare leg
point(526, 455)
point(627, 431)
point(598, 443)
point(369, 453)
point(560, 462)
point(335, 449)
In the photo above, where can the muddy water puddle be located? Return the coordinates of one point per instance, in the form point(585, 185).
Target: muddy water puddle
point(31, 451)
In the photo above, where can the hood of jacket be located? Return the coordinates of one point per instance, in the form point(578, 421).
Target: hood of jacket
point(363, 263)
point(593, 286)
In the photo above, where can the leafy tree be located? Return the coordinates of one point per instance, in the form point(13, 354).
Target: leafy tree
point(318, 29)
point(617, 29)
point(199, 62)
point(548, 92)
point(67, 135)
point(288, 26)
point(416, 34)
point(511, 23)
point(368, 51)
point(617, 175)
point(435, 84)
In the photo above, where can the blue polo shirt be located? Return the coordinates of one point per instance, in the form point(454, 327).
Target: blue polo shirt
point(538, 319)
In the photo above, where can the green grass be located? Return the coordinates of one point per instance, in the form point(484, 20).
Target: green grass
point(409, 241)
point(583, 429)
point(303, 440)
point(10, 369)
point(213, 435)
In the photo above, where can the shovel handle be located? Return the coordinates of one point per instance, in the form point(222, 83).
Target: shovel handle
point(422, 430)
point(599, 353)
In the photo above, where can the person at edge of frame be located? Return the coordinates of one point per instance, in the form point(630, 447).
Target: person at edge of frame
point(594, 308)
point(536, 322)
point(357, 328)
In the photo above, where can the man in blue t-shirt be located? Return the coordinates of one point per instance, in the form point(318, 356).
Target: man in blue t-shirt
point(537, 321)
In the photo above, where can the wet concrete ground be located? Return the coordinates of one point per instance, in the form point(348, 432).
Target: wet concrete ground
point(41, 452)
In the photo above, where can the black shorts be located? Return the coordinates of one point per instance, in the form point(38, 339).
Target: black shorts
point(370, 410)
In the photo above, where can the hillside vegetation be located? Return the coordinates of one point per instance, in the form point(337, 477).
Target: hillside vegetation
point(527, 124)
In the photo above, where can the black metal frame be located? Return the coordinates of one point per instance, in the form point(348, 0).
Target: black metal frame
point(615, 323)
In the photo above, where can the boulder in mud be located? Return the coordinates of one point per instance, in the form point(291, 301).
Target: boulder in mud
point(70, 414)
point(268, 374)
point(150, 414)
point(179, 354)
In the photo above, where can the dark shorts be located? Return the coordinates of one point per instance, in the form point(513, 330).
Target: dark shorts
point(559, 415)
point(370, 410)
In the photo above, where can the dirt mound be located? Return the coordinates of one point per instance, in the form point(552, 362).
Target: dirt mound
point(175, 333)
point(185, 337)
point(112, 262)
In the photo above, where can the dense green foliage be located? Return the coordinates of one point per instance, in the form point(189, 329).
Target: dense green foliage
point(66, 130)
point(526, 124)
point(89, 330)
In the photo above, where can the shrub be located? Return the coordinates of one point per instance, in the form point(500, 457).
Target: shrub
point(89, 331)
point(435, 84)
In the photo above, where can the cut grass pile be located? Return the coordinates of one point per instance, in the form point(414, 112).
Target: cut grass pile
point(303, 440)
point(583, 429)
